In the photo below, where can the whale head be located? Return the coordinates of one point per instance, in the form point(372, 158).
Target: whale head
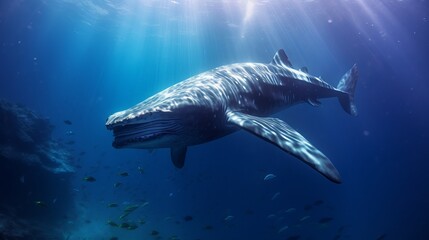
point(166, 123)
point(145, 127)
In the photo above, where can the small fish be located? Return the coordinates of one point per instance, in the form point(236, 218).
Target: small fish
point(118, 184)
point(22, 179)
point(229, 218)
point(54, 200)
point(141, 221)
point(114, 238)
point(128, 210)
point(112, 223)
point(188, 218)
point(275, 196)
point(208, 227)
point(67, 122)
point(154, 233)
point(325, 220)
point(131, 208)
point(269, 177)
point(69, 132)
point(132, 226)
point(174, 237)
point(112, 205)
point(40, 203)
point(140, 169)
point(304, 218)
point(89, 179)
point(123, 174)
point(291, 210)
point(124, 225)
point(284, 228)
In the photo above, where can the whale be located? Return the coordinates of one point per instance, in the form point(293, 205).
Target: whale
point(226, 99)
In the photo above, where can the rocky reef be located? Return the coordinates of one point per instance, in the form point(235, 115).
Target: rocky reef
point(35, 173)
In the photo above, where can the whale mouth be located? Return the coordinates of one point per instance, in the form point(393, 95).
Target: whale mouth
point(142, 134)
point(134, 134)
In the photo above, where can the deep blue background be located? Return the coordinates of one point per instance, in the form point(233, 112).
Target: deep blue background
point(84, 60)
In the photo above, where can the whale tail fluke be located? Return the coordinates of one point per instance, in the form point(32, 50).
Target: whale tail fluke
point(347, 85)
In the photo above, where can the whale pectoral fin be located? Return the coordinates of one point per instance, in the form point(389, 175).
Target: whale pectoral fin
point(178, 155)
point(285, 137)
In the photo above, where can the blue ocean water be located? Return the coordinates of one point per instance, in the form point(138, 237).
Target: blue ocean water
point(83, 60)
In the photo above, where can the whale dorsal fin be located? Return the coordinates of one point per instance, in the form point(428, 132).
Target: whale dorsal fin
point(178, 155)
point(280, 58)
point(277, 132)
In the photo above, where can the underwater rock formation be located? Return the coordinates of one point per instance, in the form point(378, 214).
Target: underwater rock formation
point(35, 172)
point(26, 137)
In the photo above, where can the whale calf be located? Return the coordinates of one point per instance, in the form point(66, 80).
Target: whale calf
point(226, 99)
